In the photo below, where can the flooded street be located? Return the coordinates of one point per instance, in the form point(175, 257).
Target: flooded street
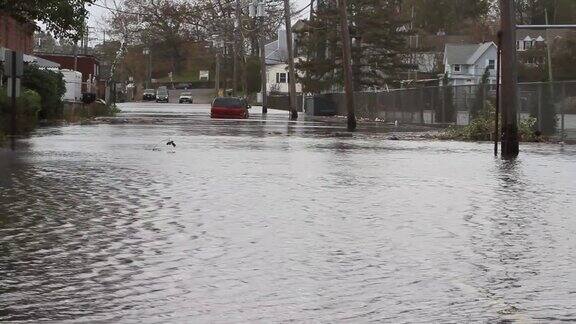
point(266, 220)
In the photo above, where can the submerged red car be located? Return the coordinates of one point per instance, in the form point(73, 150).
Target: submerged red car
point(229, 107)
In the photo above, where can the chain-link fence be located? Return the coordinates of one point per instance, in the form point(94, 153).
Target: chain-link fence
point(552, 105)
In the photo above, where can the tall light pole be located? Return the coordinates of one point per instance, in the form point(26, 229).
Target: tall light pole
point(237, 35)
point(146, 52)
point(510, 146)
point(291, 73)
point(217, 76)
point(347, 57)
point(258, 11)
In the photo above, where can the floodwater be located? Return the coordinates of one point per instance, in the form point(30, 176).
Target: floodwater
point(263, 220)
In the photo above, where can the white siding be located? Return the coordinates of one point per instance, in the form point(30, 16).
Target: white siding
point(272, 70)
point(482, 62)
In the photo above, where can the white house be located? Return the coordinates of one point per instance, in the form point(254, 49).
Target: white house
point(465, 64)
point(528, 38)
point(277, 66)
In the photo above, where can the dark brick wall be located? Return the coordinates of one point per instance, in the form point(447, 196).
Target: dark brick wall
point(87, 65)
point(15, 35)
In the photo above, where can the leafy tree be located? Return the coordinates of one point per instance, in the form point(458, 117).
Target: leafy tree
point(533, 11)
point(319, 42)
point(564, 58)
point(378, 43)
point(445, 15)
point(480, 97)
point(27, 107)
point(446, 110)
point(377, 46)
point(253, 74)
point(49, 85)
point(64, 18)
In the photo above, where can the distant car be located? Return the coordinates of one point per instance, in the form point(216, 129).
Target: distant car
point(229, 107)
point(185, 97)
point(162, 94)
point(184, 86)
point(149, 94)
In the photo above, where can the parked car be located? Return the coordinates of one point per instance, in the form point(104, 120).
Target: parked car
point(149, 94)
point(162, 94)
point(185, 97)
point(229, 107)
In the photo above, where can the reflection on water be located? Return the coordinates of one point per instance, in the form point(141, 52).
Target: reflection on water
point(259, 221)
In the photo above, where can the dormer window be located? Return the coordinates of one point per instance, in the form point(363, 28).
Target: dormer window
point(457, 68)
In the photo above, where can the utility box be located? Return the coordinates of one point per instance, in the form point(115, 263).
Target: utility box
point(319, 106)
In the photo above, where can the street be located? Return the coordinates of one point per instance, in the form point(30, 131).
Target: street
point(269, 220)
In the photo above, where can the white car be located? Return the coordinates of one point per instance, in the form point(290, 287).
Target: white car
point(185, 97)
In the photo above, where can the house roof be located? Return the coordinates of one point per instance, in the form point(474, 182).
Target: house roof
point(465, 53)
point(31, 59)
point(40, 62)
point(276, 51)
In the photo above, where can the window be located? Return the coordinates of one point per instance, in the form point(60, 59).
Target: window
point(457, 67)
point(518, 46)
point(281, 78)
point(527, 44)
point(228, 102)
point(491, 64)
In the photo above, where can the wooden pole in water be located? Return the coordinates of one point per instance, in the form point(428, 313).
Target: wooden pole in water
point(263, 72)
point(510, 146)
point(291, 70)
point(497, 113)
point(347, 56)
point(13, 110)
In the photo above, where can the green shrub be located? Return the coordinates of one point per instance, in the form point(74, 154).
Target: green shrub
point(50, 86)
point(481, 128)
point(27, 107)
point(526, 129)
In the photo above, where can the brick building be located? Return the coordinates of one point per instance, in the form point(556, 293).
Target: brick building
point(88, 65)
point(15, 35)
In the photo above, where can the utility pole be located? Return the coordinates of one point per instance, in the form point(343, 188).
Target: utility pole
point(347, 56)
point(510, 146)
point(548, 53)
point(497, 112)
point(263, 72)
point(75, 55)
point(86, 39)
point(147, 52)
point(217, 76)
point(258, 12)
point(150, 68)
point(291, 73)
point(235, 49)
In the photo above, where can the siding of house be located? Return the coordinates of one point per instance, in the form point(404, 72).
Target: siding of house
point(482, 62)
point(472, 73)
point(15, 35)
point(272, 85)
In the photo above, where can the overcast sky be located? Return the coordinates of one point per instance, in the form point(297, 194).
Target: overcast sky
point(97, 15)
